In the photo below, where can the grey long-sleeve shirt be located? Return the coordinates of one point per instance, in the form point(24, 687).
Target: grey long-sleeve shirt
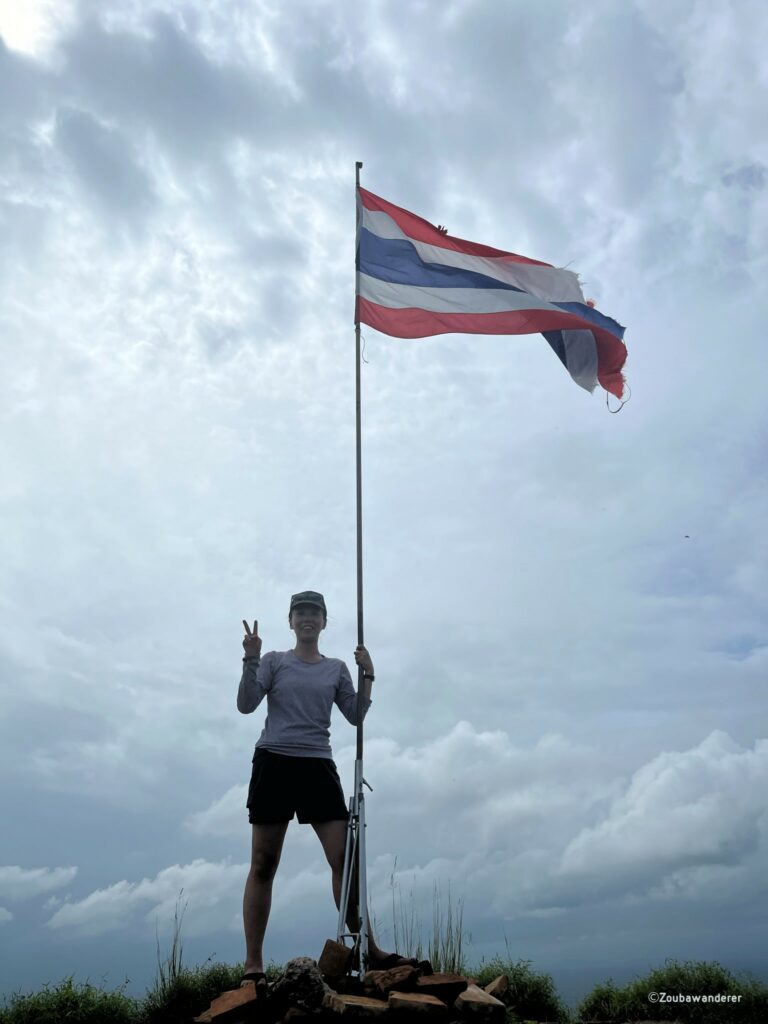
point(300, 696)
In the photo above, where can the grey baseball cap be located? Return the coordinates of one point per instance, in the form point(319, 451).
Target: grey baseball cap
point(308, 597)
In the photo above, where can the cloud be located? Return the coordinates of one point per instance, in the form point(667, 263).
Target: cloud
point(552, 828)
point(5, 915)
point(751, 176)
point(26, 81)
point(104, 164)
point(117, 907)
point(33, 28)
point(151, 74)
point(18, 884)
point(519, 833)
point(684, 816)
point(224, 817)
point(464, 781)
point(102, 911)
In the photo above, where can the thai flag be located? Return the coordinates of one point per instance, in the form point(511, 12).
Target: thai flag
point(414, 281)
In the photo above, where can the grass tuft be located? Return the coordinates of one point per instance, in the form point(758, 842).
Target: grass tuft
point(446, 947)
point(405, 925)
point(73, 1004)
point(181, 993)
point(691, 978)
point(170, 972)
point(531, 995)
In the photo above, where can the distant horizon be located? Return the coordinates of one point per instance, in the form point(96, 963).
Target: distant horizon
point(572, 983)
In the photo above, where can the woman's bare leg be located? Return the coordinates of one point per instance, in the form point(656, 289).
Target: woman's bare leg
point(333, 836)
point(266, 847)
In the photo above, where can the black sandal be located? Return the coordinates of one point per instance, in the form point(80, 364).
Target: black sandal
point(257, 977)
point(393, 960)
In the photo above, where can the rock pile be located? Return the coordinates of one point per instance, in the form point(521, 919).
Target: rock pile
point(322, 992)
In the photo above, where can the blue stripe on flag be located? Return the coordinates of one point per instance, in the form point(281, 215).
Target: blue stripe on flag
point(555, 339)
point(396, 260)
point(593, 315)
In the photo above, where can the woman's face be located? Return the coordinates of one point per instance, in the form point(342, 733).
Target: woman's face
point(307, 621)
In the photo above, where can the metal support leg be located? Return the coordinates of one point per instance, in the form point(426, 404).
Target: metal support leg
point(362, 884)
point(350, 857)
point(354, 892)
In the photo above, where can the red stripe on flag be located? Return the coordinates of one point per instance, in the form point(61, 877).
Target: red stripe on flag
point(420, 323)
point(421, 230)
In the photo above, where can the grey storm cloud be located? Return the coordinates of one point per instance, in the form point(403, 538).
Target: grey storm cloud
point(751, 176)
point(23, 87)
point(104, 163)
point(165, 83)
point(696, 808)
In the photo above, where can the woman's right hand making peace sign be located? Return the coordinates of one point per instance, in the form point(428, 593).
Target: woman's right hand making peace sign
point(252, 640)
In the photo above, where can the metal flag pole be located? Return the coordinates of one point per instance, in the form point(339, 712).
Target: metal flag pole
point(354, 873)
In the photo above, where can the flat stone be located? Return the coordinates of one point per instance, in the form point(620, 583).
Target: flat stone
point(479, 1005)
point(498, 986)
point(445, 987)
point(382, 982)
point(355, 1007)
point(301, 985)
point(237, 1003)
point(335, 960)
point(417, 1005)
point(371, 977)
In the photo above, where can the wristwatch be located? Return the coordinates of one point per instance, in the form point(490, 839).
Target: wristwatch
point(369, 675)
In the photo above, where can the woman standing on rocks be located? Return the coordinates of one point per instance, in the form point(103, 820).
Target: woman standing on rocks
point(293, 768)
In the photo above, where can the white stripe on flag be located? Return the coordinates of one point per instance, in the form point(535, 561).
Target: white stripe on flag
point(447, 300)
point(549, 283)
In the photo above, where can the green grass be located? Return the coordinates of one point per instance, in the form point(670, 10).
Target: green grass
point(405, 925)
point(181, 993)
point(531, 995)
point(609, 1003)
point(446, 944)
point(74, 1004)
point(445, 947)
point(178, 994)
point(68, 1003)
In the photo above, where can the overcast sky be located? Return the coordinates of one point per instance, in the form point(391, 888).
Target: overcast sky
point(566, 609)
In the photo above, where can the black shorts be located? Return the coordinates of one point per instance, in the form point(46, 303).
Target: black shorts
point(282, 785)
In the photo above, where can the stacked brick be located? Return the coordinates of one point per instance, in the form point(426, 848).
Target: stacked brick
point(397, 996)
